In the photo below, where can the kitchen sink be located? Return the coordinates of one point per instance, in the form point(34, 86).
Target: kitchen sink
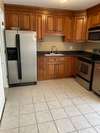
point(54, 54)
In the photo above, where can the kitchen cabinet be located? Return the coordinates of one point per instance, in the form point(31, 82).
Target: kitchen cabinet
point(51, 73)
point(93, 20)
point(79, 32)
point(71, 66)
point(25, 21)
point(93, 16)
point(41, 62)
point(59, 24)
point(50, 24)
point(68, 26)
point(21, 20)
point(56, 67)
point(11, 19)
point(39, 26)
point(60, 67)
point(54, 24)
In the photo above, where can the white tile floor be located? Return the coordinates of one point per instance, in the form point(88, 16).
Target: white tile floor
point(54, 106)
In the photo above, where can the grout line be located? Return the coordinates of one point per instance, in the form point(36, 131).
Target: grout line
point(67, 114)
point(35, 115)
point(52, 116)
point(85, 118)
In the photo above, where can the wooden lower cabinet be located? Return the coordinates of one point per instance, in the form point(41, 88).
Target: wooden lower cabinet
point(60, 67)
point(56, 67)
point(50, 70)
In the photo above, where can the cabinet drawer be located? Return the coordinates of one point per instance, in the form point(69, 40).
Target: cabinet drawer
point(51, 59)
point(56, 59)
point(60, 59)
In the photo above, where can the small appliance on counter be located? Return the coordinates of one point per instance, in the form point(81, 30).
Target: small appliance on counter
point(21, 57)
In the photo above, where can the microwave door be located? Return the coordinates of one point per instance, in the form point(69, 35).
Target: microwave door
point(94, 34)
point(19, 57)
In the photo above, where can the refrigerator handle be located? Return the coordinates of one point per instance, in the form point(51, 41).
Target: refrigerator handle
point(19, 57)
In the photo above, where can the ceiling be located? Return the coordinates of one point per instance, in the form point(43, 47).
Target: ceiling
point(60, 4)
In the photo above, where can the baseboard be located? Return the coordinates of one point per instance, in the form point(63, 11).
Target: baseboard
point(22, 84)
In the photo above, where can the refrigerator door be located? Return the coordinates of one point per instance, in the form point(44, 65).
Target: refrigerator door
point(28, 50)
point(12, 64)
point(13, 72)
point(11, 38)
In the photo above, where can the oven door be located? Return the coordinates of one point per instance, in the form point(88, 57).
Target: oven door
point(84, 70)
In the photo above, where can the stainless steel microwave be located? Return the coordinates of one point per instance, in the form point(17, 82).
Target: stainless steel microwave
point(94, 34)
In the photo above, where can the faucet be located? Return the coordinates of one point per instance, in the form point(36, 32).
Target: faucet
point(53, 49)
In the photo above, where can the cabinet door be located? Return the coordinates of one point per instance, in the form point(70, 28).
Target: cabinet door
point(51, 71)
point(80, 29)
point(50, 27)
point(25, 21)
point(68, 29)
point(59, 24)
point(41, 68)
point(95, 19)
point(11, 20)
point(39, 27)
point(60, 70)
point(73, 61)
point(68, 71)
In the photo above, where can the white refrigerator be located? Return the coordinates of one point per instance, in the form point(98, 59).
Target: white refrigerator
point(21, 57)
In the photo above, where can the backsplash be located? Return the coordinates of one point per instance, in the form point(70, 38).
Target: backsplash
point(57, 41)
point(90, 46)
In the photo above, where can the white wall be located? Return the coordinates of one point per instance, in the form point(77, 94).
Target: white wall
point(2, 47)
point(3, 56)
point(2, 60)
point(2, 97)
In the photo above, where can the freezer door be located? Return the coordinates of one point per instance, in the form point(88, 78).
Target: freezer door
point(28, 50)
point(11, 38)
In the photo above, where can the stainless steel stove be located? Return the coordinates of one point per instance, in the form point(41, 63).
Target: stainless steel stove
point(96, 75)
point(88, 70)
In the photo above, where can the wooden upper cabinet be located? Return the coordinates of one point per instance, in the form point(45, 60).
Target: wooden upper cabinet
point(11, 19)
point(79, 29)
point(40, 26)
point(93, 20)
point(50, 28)
point(68, 28)
point(25, 21)
point(54, 24)
point(59, 24)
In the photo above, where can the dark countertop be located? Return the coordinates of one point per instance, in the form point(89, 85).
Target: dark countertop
point(81, 54)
